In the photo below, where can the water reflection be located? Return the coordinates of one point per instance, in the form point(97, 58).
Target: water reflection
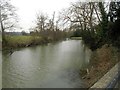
point(55, 65)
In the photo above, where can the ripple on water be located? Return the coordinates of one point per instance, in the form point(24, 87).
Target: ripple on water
point(54, 66)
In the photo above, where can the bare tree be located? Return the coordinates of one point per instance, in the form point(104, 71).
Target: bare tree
point(86, 15)
point(41, 21)
point(8, 17)
point(52, 22)
point(80, 13)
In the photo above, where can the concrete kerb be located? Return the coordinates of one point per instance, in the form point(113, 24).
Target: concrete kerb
point(105, 81)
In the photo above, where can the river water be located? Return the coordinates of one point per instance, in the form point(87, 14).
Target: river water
point(55, 65)
point(0, 69)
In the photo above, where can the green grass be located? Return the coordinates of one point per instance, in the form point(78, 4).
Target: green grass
point(0, 38)
point(22, 41)
point(76, 38)
point(18, 39)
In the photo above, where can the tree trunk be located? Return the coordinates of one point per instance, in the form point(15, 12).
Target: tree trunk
point(1, 24)
point(2, 29)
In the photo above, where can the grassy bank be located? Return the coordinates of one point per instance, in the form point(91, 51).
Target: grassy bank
point(76, 38)
point(102, 60)
point(0, 42)
point(23, 41)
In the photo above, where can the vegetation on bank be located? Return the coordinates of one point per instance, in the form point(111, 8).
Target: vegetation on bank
point(32, 39)
point(101, 61)
point(91, 21)
point(21, 41)
point(98, 27)
point(76, 38)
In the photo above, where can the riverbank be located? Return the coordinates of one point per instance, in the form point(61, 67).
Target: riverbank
point(76, 38)
point(12, 42)
point(0, 45)
point(102, 60)
point(0, 42)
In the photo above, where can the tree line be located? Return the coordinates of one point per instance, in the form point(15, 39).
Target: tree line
point(48, 27)
point(96, 22)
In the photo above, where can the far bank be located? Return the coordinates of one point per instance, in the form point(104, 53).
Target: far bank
point(13, 42)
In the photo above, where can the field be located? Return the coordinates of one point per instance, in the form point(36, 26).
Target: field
point(76, 38)
point(0, 38)
point(22, 41)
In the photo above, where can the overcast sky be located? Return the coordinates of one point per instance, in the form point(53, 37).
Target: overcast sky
point(27, 9)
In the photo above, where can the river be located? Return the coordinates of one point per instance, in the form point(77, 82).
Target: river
point(0, 69)
point(55, 65)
